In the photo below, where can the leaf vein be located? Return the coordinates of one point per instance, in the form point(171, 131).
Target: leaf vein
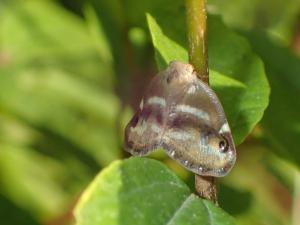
point(184, 203)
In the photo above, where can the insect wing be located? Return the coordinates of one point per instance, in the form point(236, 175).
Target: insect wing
point(144, 131)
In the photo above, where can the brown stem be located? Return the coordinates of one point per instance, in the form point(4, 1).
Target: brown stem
point(197, 37)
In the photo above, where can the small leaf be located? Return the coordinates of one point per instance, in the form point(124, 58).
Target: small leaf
point(236, 74)
point(144, 191)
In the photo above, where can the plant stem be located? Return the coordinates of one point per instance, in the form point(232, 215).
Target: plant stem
point(197, 37)
point(196, 31)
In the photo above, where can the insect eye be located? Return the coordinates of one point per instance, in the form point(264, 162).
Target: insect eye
point(223, 146)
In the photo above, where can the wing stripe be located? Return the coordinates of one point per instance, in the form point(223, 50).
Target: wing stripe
point(157, 101)
point(194, 111)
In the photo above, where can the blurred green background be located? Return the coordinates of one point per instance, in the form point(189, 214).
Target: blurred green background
point(71, 71)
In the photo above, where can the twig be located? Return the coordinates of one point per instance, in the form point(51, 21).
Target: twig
point(197, 37)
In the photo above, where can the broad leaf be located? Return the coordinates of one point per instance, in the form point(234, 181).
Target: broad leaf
point(144, 191)
point(59, 86)
point(27, 177)
point(279, 18)
point(282, 121)
point(236, 74)
point(58, 109)
point(13, 215)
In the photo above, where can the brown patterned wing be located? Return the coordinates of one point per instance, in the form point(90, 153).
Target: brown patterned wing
point(197, 134)
point(143, 133)
point(184, 116)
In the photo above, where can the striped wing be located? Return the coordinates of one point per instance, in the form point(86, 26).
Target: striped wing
point(193, 126)
point(143, 133)
point(184, 116)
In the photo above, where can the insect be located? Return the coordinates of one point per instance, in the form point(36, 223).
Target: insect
point(182, 115)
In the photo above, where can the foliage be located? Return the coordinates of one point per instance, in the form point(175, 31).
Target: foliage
point(70, 72)
point(144, 191)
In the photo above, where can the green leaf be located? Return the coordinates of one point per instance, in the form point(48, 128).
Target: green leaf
point(279, 18)
point(28, 176)
point(59, 85)
point(29, 38)
point(166, 49)
point(58, 109)
point(281, 121)
point(84, 118)
point(144, 191)
point(13, 215)
point(236, 74)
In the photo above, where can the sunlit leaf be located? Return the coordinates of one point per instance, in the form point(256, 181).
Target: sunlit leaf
point(58, 109)
point(144, 191)
point(27, 177)
point(39, 86)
